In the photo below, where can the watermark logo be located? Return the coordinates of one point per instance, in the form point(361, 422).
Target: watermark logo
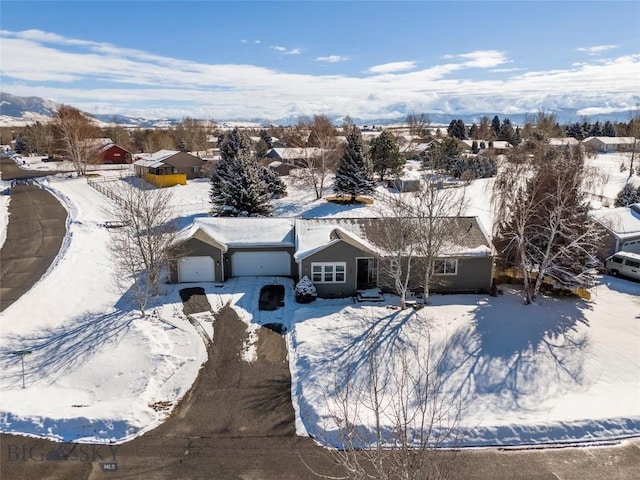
point(105, 455)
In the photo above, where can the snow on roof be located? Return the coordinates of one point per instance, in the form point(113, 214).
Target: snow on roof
point(238, 232)
point(295, 153)
point(156, 159)
point(612, 140)
point(148, 162)
point(622, 221)
point(315, 234)
point(562, 141)
point(163, 154)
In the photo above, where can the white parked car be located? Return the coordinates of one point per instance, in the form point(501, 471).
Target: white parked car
point(626, 264)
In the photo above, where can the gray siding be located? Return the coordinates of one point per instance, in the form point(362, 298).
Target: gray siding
point(196, 248)
point(183, 162)
point(339, 252)
point(474, 274)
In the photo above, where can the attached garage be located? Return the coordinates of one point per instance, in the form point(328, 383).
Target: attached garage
point(196, 269)
point(255, 264)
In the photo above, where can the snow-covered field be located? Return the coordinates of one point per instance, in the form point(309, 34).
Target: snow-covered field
point(564, 370)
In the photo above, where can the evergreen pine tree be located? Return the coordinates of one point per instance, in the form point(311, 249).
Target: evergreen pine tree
point(627, 196)
point(507, 133)
point(473, 132)
point(385, 155)
point(264, 135)
point(457, 129)
point(353, 175)
point(608, 130)
point(275, 185)
point(495, 126)
point(237, 187)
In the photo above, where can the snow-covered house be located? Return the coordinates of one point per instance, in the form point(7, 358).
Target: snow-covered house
point(168, 162)
point(338, 255)
point(611, 144)
point(293, 156)
point(622, 228)
point(563, 142)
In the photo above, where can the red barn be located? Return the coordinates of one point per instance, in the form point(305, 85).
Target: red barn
point(113, 154)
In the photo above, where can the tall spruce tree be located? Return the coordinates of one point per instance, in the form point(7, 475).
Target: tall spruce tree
point(385, 155)
point(238, 187)
point(627, 196)
point(495, 126)
point(353, 175)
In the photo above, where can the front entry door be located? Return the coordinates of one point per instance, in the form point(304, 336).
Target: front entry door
point(367, 276)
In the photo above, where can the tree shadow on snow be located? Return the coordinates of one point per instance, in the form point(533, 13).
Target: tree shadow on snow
point(57, 351)
point(382, 338)
point(520, 354)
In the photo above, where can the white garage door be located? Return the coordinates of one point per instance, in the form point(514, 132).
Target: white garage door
point(196, 269)
point(250, 264)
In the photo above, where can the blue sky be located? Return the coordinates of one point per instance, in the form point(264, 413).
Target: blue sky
point(272, 59)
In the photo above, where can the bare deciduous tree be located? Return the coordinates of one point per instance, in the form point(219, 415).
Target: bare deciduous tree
point(543, 227)
point(73, 130)
point(142, 245)
point(436, 209)
point(397, 236)
point(317, 164)
point(418, 124)
point(191, 134)
point(390, 414)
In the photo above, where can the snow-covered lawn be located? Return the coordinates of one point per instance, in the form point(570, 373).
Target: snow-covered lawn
point(563, 370)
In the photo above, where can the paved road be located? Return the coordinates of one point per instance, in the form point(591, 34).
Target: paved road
point(237, 422)
point(37, 225)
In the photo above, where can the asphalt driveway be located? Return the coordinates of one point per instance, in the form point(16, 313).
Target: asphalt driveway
point(36, 229)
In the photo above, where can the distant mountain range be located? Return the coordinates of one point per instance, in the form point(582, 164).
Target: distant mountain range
point(20, 111)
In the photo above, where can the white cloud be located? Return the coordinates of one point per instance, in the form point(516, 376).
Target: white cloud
point(392, 67)
point(139, 83)
point(332, 59)
point(597, 50)
point(505, 70)
point(284, 50)
point(479, 58)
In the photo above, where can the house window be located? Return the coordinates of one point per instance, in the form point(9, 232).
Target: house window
point(394, 264)
point(328, 272)
point(445, 267)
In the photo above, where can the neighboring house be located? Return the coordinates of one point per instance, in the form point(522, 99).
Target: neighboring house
point(611, 144)
point(622, 229)
point(294, 156)
point(168, 162)
point(403, 184)
point(281, 168)
point(113, 154)
point(338, 255)
point(563, 142)
point(493, 144)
